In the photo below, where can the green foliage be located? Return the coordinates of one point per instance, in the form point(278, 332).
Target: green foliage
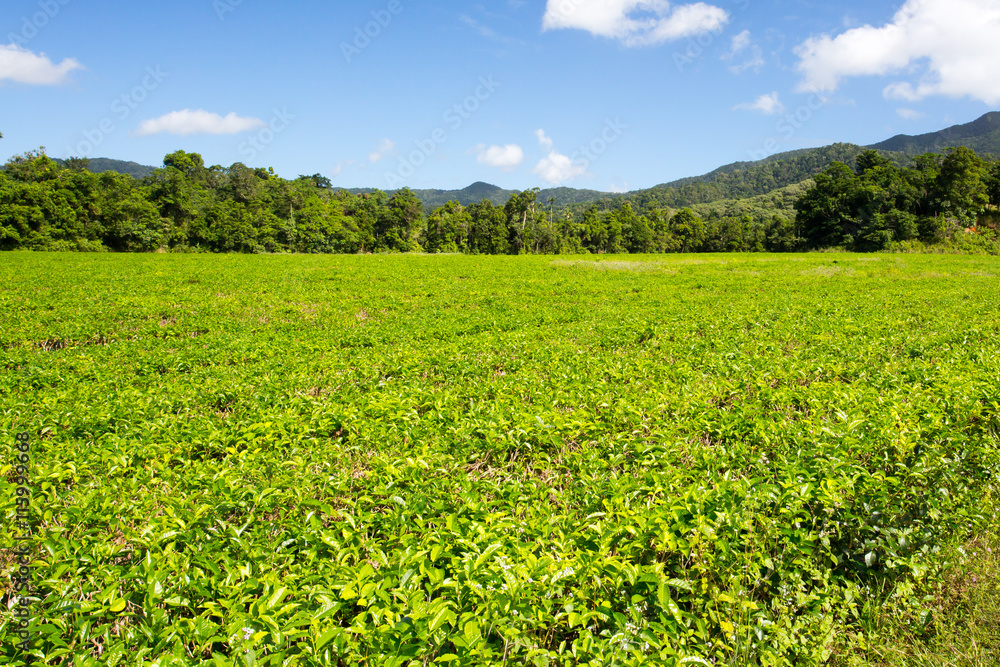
point(743, 180)
point(962, 185)
point(957, 622)
point(186, 206)
point(408, 460)
point(881, 204)
point(993, 184)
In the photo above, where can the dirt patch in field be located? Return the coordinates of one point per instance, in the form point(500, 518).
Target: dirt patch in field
point(612, 265)
point(828, 271)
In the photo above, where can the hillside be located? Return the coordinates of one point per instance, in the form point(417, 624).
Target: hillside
point(743, 180)
point(479, 191)
point(99, 165)
point(750, 180)
point(981, 135)
point(735, 181)
point(746, 180)
point(779, 202)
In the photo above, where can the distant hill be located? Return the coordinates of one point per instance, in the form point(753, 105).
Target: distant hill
point(745, 180)
point(742, 180)
point(99, 165)
point(479, 191)
point(731, 182)
point(981, 135)
point(476, 192)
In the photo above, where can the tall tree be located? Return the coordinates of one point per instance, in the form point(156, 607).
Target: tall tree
point(962, 185)
point(400, 220)
point(487, 229)
point(993, 184)
point(521, 210)
point(447, 229)
point(826, 213)
point(688, 230)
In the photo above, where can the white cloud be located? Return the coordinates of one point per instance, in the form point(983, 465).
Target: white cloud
point(188, 122)
point(338, 168)
point(909, 114)
point(952, 43)
point(502, 157)
point(768, 104)
point(740, 42)
point(382, 151)
point(634, 22)
point(557, 168)
point(543, 139)
point(484, 31)
point(35, 69)
point(753, 60)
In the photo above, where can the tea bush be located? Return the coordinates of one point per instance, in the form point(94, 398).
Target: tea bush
point(406, 460)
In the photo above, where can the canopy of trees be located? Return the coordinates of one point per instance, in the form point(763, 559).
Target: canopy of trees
point(877, 202)
point(188, 206)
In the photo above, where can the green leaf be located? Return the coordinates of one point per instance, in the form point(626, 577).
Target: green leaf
point(444, 615)
point(326, 637)
point(472, 632)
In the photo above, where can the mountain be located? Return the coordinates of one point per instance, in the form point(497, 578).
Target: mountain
point(745, 180)
point(476, 192)
point(102, 164)
point(479, 191)
point(99, 165)
point(981, 135)
point(731, 182)
point(742, 180)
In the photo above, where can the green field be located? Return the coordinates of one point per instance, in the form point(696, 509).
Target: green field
point(410, 460)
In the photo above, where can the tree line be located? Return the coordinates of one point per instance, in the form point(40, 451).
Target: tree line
point(187, 206)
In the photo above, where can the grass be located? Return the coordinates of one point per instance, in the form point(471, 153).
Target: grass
point(949, 618)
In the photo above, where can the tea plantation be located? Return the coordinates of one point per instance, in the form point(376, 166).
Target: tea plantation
point(412, 460)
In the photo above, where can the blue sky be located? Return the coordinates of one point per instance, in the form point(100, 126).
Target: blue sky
point(601, 94)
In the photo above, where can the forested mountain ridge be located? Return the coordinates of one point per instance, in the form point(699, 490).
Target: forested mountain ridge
point(734, 181)
point(742, 180)
point(981, 135)
point(479, 191)
point(738, 180)
point(99, 165)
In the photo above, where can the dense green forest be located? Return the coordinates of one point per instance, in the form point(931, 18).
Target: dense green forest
point(878, 203)
point(187, 206)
